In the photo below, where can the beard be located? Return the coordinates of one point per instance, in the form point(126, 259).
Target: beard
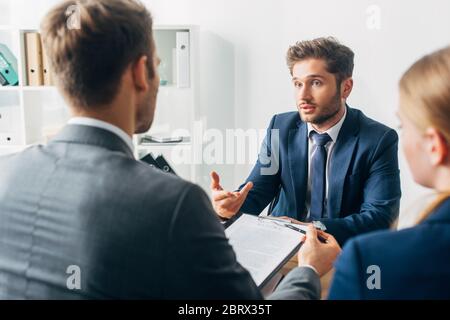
point(146, 112)
point(326, 112)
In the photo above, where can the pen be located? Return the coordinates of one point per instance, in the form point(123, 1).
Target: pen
point(321, 239)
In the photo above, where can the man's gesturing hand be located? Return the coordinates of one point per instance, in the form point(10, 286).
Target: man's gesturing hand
point(227, 203)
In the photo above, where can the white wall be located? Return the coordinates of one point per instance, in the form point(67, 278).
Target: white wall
point(260, 31)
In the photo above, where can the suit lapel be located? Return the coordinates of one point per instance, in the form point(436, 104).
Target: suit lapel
point(340, 161)
point(298, 165)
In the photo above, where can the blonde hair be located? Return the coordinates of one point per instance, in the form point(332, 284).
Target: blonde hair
point(425, 90)
point(441, 197)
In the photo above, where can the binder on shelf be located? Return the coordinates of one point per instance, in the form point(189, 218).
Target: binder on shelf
point(182, 65)
point(150, 160)
point(174, 66)
point(6, 125)
point(3, 81)
point(164, 165)
point(159, 163)
point(33, 57)
point(8, 67)
point(47, 75)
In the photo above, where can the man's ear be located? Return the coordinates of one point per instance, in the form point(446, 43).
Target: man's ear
point(346, 88)
point(437, 147)
point(140, 74)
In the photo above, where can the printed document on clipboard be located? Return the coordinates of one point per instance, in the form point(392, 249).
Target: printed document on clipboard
point(263, 244)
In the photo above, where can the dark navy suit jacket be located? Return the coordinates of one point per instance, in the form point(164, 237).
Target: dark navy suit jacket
point(413, 263)
point(363, 178)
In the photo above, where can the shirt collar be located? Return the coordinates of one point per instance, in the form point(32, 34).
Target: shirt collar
point(85, 121)
point(333, 132)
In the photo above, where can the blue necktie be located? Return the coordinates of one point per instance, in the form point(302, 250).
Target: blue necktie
point(318, 177)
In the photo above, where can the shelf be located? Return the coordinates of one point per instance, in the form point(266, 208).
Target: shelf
point(172, 87)
point(8, 149)
point(7, 28)
point(38, 109)
point(9, 88)
point(28, 88)
point(149, 145)
point(39, 88)
point(12, 146)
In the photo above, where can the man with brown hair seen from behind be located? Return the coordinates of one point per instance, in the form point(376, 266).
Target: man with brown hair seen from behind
point(80, 218)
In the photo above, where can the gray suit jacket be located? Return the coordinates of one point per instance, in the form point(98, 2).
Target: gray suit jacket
point(84, 203)
point(300, 284)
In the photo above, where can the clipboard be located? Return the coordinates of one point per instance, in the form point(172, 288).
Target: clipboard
point(262, 246)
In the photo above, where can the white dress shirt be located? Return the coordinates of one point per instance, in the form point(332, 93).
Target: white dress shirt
point(333, 132)
point(91, 122)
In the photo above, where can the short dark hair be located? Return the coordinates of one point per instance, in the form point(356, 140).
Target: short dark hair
point(338, 58)
point(88, 62)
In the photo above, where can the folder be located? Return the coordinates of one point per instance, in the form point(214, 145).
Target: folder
point(150, 160)
point(159, 163)
point(3, 81)
point(164, 165)
point(33, 54)
point(182, 52)
point(47, 74)
point(8, 67)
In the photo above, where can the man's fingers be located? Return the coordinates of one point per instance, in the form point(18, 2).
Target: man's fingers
point(228, 200)
point(311, 234)
point(330, 239)
point(238, 199)
point(229, 203)
point(244, 191)
point(215, 181)
point(220, 195)
point(323, 234)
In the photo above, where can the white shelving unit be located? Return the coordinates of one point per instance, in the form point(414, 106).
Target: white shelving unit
point(34, 112)
point(29, 115)
point(178, 103)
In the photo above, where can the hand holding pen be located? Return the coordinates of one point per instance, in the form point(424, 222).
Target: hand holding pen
point(320, 234)
point(289, 223)
point(317, 254)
